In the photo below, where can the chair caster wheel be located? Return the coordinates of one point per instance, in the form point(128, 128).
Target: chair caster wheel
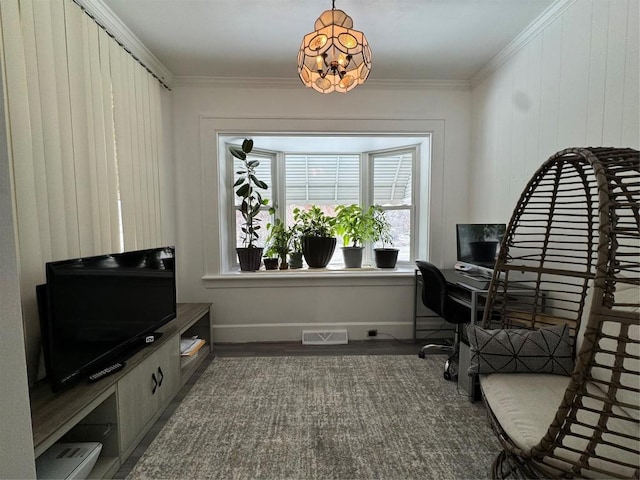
point(422, 355)
point(447, 376)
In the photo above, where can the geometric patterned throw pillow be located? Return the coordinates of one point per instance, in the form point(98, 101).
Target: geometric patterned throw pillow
point(546, 350)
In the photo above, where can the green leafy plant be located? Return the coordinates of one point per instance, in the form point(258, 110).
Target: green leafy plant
point(296, 243)
point(381, 226)
point(280, 238)
point(248, 188)
point(355, 225)
point(314, 222)
point(295, 255)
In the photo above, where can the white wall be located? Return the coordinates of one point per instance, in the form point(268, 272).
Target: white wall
point(280, 310)
point(574, 84)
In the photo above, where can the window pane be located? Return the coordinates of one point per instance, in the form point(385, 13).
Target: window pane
point(262, 232)
point(263, 172)
point(322, 179)
point(392, 176)
point(392, 181)
point(400, 221)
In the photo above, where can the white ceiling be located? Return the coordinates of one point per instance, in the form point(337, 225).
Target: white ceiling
point(410, 39)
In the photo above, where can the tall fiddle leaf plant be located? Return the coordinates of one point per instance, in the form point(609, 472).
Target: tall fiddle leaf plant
point(248, 188)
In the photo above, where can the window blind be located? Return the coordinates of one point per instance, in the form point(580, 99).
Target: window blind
point(84, 142)
point(392, 179)
point(322, 179)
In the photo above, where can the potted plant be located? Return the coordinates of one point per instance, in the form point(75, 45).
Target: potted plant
point(356, 226)
point(484, 240)
point(295, 255)
point(316, 235)
point(270, 260)
point(386, 257)
point(248, 188)
point(279, 240)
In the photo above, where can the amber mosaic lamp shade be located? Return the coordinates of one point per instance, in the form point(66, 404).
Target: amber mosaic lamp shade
point(334, 57)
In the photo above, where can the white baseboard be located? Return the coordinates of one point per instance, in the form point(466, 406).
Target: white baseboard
point(292, 332)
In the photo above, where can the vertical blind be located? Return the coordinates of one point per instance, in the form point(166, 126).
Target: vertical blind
point(84, 128)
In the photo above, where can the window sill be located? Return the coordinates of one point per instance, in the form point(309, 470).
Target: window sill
point(305, 277)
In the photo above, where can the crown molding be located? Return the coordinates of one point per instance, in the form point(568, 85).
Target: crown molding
point(554, 11)
point(114, 26)
point(294, 82)
point(426, 84)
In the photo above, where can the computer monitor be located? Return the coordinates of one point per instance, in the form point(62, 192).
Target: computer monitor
point(478, 243)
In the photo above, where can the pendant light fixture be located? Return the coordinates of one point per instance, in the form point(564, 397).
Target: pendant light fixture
point(334, 57)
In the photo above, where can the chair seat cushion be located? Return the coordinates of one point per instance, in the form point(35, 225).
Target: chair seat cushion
point(546, 350)
point(525, 405)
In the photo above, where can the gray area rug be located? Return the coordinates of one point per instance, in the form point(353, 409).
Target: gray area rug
point(339, 417)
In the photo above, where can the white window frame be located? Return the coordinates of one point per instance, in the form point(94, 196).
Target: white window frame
point(278, 188)
point(415, 194)
point(212, 234)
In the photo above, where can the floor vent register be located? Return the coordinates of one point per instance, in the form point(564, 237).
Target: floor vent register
point(325, 337)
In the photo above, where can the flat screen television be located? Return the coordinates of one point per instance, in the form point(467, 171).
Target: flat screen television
point(96, 311)
point(478, 243)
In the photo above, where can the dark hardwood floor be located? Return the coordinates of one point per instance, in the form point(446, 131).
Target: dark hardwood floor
point(375, 346)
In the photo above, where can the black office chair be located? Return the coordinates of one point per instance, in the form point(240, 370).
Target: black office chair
point(435, 297)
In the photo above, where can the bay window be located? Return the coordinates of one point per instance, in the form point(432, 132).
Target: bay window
point(300, 180)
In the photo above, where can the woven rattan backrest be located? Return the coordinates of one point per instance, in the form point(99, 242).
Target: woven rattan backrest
point(571, 254)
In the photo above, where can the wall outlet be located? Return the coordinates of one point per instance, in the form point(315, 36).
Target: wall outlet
point(372, 333)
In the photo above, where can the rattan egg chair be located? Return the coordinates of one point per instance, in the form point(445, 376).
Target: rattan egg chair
point(571, 255)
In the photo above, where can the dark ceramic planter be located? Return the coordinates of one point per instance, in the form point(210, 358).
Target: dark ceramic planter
point(249, 258)
point(318, 251)
point(386, 257)
point(352, 257)
point(295, 260)
point(270, 263)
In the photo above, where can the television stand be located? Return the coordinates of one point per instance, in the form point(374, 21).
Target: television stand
point(120, 409)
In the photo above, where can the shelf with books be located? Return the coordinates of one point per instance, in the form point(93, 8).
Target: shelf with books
point(195, 345)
